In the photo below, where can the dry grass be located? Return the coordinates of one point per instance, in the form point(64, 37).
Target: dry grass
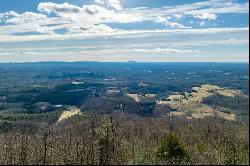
point(190, 104)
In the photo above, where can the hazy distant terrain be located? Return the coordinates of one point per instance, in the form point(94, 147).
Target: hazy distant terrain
point(182, 96)
point(143, 89)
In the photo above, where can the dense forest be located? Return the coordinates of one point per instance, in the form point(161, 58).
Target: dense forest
point(125, 139)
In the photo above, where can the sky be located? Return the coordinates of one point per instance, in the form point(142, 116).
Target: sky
point(124, 30)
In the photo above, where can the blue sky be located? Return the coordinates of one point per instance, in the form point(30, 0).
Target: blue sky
point(123, 30)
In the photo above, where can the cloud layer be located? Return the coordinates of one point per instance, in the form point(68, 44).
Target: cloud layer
point(54, 18)
point(194, 29)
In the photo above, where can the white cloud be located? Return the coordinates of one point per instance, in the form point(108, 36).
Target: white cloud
point(175, 25)
point(25, 17)
point(92, 29)
point(127, 34)
point(114, 45)
point(89, 14)
point(202, 23)
point(91, 20)
point(164, 50)
point(87, 34)
point(43, 29)
point(49, 7)
point(178, 16)
point(63, 16)
point(205, 15)
point(202, 10)
point(160, 19)
point(169, 24)
point(94, 9)
point(8, 15)
point(112, 4)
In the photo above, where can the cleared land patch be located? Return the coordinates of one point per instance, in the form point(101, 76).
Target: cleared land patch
point(68, 113)
point(191, 104)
